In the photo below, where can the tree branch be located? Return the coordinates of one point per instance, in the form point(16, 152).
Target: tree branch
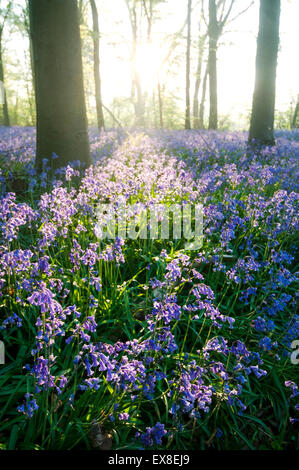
point(240, 13)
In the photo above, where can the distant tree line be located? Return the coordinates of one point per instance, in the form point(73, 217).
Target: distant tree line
point(55, 30)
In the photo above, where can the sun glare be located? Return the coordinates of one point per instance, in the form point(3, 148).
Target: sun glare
point(149, 64)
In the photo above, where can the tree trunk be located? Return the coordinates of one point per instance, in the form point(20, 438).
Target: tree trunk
point(187, 112)
point(262, 116)
point(212, 62)
point(27, 29)
point(60, 105)
point(203, 99)
point(139, 103)
point(154, 107)
point(198, 81)
point(196, 91)
point(31, 105)
point(6, 120)
point(96, 63)
point(160, 105)
point(32, 65)
point(16, 109)
point(295, 115)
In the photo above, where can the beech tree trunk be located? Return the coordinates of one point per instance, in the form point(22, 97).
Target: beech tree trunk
point(187, 111)
point(201, 44)
point(96, 64)
point(160, 100)
point(203, 99)
point(5, 119)
point(262, 116)
point(60, 105)
point(212, 62)
point(295, 115)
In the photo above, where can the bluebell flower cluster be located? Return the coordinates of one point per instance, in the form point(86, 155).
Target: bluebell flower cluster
point(140, 328)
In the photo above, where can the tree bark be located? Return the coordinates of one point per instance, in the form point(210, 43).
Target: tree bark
point(96, 63)
point(203, 99)
point(60, 104)
point(201, 44)
point(187, 111)
point(6, 119)
point(160, 99)
point(196, 91)
point(212, 62)
point(27, 29)
point(262, 116)
point(295, 115)
point(16, 113)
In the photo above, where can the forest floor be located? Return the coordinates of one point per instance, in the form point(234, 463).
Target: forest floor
point(136, 343)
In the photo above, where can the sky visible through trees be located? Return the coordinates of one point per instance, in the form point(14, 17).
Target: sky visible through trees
point(236, 58)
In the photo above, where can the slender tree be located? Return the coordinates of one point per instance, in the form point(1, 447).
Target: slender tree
point(96, 63)
point(60, 104)
point(160, 100)
point(212, 61)
point(262, 116)
point(187, 110)
point(201, 45)
point(296, 113)
point(6, 119)
point(219, 16)
point(149, 13)
point(25, 21)
point(20, 19)
point(203, 99)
